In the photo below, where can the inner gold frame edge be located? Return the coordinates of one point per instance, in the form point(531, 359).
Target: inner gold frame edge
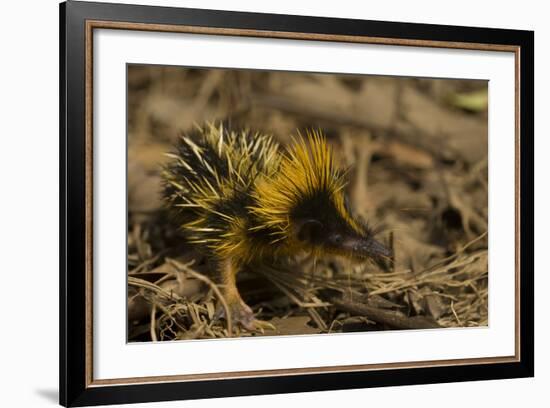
point(93, 24)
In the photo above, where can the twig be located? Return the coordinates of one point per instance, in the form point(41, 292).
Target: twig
point(142, 283)
point(391, 318)
point(454, 312)
point(187, 269)
point(153, 329)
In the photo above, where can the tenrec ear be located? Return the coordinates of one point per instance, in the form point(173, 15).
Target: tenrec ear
point(309, 230)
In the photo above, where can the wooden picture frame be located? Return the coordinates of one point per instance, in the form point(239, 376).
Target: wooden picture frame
point(78, 20)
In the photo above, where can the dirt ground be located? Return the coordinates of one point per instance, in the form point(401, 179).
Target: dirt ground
point(418, 153)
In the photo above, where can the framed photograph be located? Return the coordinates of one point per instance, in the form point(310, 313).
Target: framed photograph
point(256, 203)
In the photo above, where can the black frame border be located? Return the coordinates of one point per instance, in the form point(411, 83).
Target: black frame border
point(72, 124)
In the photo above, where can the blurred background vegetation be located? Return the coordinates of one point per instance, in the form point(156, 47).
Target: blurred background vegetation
point(418, 153)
